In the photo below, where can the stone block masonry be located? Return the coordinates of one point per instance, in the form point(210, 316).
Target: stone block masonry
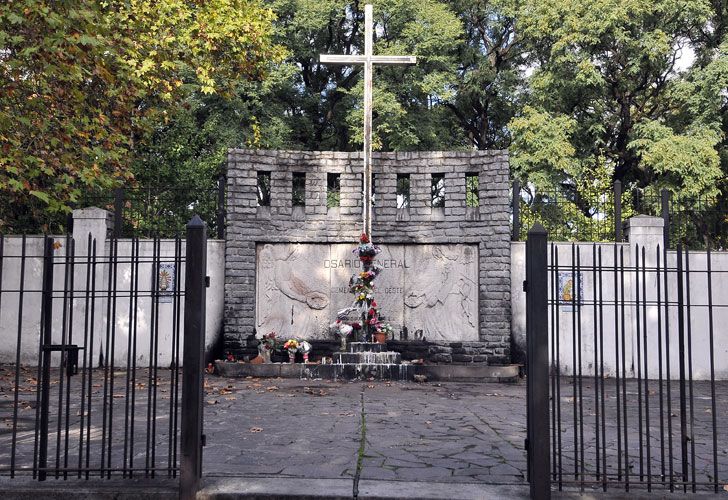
point(486, 225)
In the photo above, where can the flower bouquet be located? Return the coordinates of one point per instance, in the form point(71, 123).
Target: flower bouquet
point(291, 346)
point(268, 344)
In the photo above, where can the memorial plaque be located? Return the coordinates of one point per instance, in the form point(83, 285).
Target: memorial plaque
point(441, 297)
point(429, 287)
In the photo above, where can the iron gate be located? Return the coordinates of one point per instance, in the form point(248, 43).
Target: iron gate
point(94, 388)
point(620, 335)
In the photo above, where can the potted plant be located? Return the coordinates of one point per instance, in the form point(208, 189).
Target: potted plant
point(291, 346)
point(382, 332)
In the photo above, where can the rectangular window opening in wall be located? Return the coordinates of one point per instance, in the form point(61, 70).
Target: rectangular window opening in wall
point(471, 190)
point(298, 191)
point(438, 190)
point(263, 189)
point(403, 190)
point(333, 190)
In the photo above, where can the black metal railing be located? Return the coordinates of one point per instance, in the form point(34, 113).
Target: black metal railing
point(695, 223)
point(93, 388)
point(633, 344)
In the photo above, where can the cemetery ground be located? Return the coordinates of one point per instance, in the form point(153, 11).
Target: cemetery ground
point(455, 440)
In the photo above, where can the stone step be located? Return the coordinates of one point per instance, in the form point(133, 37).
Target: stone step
point(366, 347)
point(468, 372)
point(368, 358)
point(350, 371)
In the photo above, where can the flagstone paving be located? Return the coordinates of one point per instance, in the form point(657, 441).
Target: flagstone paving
point(449, 432)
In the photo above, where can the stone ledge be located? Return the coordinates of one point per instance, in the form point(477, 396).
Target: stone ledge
point(444, 373)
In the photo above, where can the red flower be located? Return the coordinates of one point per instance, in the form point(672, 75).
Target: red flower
point(364, 238)
point(374, 303)
point(230, 357)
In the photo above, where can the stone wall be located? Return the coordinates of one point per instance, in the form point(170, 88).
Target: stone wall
point(487, 225)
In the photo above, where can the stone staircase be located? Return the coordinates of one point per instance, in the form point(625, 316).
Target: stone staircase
point(364, 361)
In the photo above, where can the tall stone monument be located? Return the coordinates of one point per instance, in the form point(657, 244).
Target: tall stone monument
point(445, 257)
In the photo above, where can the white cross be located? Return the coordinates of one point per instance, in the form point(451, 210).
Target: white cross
point(368, 60)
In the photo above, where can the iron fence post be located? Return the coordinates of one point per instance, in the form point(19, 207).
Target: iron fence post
point(46, 339)
point(193, 358)
point(220, 222)
point(516, 204)
point(665, 205)
point(618, 211)
point(538, 447)
point(118, 211)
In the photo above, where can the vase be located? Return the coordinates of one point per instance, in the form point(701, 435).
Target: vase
point(380, 338)
point(265, 354)
point(291, 356)
point(343, 343)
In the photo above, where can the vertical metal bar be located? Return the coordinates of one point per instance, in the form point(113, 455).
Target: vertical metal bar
point(90, 356)
point(691, 435)
point(668, 374)
point(552, 367)
point(624, 371)
point(712, 374)
point(112, 350)
point(638, 325)
point(516, 205)
point(665, 206)
point(601, 372)
point(135, 295)
point(221, 207)
point(155, 338)
point(193, 361)
point(173, 364)
point(658, 283)
point(681, 349)
point(177, 320)
point(86, 354)
point(118, 212)
point(575, 391)
point(537, 341)
point(21, 296)
point(596, 303)
point(150, 374)
point(618, 211)
point(578, 289)
point(646, 372)
point(616, 363)
point(72, 249)
point(61, 378)
point(45, 340)
point(129, 380)
point(557, 337)
point(109, 320)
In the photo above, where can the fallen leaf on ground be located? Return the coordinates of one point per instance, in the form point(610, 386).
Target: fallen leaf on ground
point(272, 388)
point(256, 429)
point(212, 401)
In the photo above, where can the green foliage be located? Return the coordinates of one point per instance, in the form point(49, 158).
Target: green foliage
point(85, 83)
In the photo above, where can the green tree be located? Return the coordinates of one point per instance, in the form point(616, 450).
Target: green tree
point(83, 83)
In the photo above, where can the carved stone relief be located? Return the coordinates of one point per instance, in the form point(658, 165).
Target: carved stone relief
point(434, 288)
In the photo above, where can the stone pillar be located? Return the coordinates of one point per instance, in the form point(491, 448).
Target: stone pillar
point(645, 231)
point(93, 221)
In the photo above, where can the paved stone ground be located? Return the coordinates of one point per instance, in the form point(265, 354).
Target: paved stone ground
point(442, 433)
point(449, 432)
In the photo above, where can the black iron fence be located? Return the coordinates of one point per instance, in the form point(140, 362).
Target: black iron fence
point(696, 223)
point(93, 387)
point(633, 341)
